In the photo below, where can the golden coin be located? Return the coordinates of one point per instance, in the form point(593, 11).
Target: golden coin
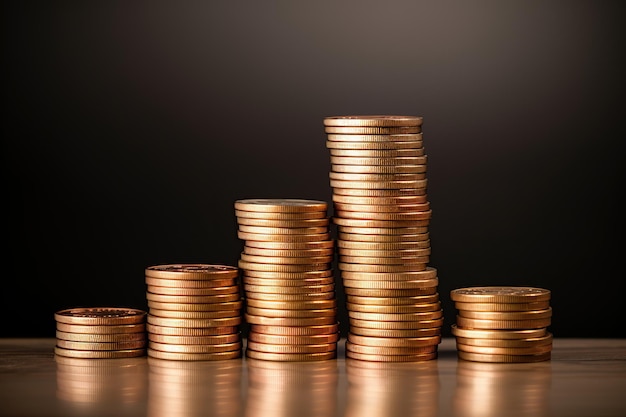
point(290, 321)
point(232, 305)
point(392, 301)
point(277, 267)
point(190, 331)
point(496, 294)
point(539, 305)
point(284, 223)
point(292, 253)
point(379, 292)
point(303, 289)
point(425, 315)
point(291, 357)
point(100, 338)
point(394, 342)
point(290, 297)
point(380, 201)
point(100, 316)
point(292, 305)
point(482, 357)
point(181, 356)
point(323, 244)
point(489, 350)
point(176, 348)
point(280, 205)
point(304, 215)
point(413, 144)
point(185, 283)
point(390, 333)
point(131, 344)
point(384, 208)
point(101, 329)
point(386, 216)
point(195, 340)
point(396, 325)
point(192, 299)
point(322, 273)
point(422, 357)
point(99, 354)
point(498, 334)
point(273, 237)
point(369, 130)
point(385, 238)
point(507, 343)
point(299, 313)
point(507, 315)
point(186, 292)
point(324, 329)
point(365, 223)
point(391, 161)
point(286, 260)
point(359, 192)
point(378, 178)
point(352, 267)
point(291, 349)
point(428, 273)
point(191, 271)
point(194, 314)
point(372, 308)
point(392, 260)
point(387, 350)
point(380, 253)
point(402, 233)
point(379, 169)
point(501, 324)
point(373, 120)
point(283, 230)
point(342, 245)
point(273, 339)
point(182, 322)
point(377, 153)
point(395, 137)
point(288, 282)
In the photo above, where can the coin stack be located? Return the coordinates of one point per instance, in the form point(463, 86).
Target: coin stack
point(100, 332)
point(289, 288)
point(382, 214)
point(502, 324)
point(194, 312)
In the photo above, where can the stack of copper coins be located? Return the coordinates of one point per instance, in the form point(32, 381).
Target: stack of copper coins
point(100, 332)
point(382, 214)
point(502, 324)
point(194, 312)
point(289, 288)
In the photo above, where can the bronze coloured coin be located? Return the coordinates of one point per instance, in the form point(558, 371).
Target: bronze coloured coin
point(204, 348)
point(108, 346)
point(370, 130)
point(500, 294)
point(507, 315)
point(396, 342)
point(101, 338)
point(483, 357)
point(391, 358)
point(191, 331)
point(373, 120)
point(272, 339)
point(195, 340)
point(291, 357)
point(469, 306)
point(101, 329)
point(99, 354)
point(291, 349)
point(310, 330)
point(498, 334)
point(280, 205)
point(191, 271)
point(100, 316)
point(465, 322)
point(184, 356)
point(391, 333)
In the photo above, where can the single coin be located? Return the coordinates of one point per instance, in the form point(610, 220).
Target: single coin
point(101, 338)
point(498, 334)
point(299, 313)
point(101, 329)
point(312, 330)
point(489, 350)
point(391, 260)
point(497, 294)
point(195, 314)
point(413, 144)
point(193, 292)
point(416, 238)
point(195, 340)
point(183, 356)
point(191, 331)
point(385, 216)
point(352, 267)
point(395, 137)
point(380, 253)
point(131, 344)
point(390, 333)
point(380, 201)
point(286, 260)
point(280, 205)
point(288, 282)
point(291, 297)
point(398, 160)
point(507, 315)
point(99, 354)
point(273, 237)
point(196, 284)
point(396, 325)
point(278, 267)
point(284, 223)
point(373, 120)
point(383, 208)
point(273, 339)
point(191, 271)
point(539, 305)
point(380, 169)
point(322, 273)
point(324, 244)
point(393, 301)
point(291, 349)
point(401, 234)
point(394, 342)
point(369, 130)
point(428, 273)
point(177, 348)
point(283, 230)
point(342, 245)
point(379, 292)
point(359, 192)
point(425, 315)
point(292, 305)
point(507, 343)
point(366, 223)
point(193, 299)
point(182, 307)
point(364, 177)
point(100, 316)
point(393, 309)
point(481, 357)
point(304, 215)
point(386, 350)
point(291, 357)
point(304, 289)
point(290, 321)
point(465, 322)
point(291, 253)
point(377, 153)
point(422, 357)
point(182, 322)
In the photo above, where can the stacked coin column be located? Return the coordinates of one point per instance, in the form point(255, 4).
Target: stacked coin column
point(382, 214)
point(289, 288)
point(194, 312)
point(502, 324)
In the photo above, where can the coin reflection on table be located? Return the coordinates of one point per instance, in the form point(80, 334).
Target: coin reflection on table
point(289, 389)
point(194, 388)
point(499, 389)
point(101, 383)
point(392, 388)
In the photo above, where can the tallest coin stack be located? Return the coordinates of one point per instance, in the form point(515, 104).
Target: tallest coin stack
point(382, 214)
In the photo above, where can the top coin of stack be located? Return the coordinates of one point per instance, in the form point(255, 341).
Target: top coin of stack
point(288, 282)
point(195, 312)
point(502, 324)
point(382, 213)
point(100, 332)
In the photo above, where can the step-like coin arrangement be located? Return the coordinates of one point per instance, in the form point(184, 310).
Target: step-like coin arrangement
point(100, 332)
point(502, 324)
point(289, 288)
point(194, 312)
point(382, 214)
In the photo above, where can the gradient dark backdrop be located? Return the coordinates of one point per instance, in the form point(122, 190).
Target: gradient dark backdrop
point(130, 128)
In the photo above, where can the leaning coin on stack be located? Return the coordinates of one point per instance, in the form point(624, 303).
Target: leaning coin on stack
point(502, 324)
point(382, 214)
point(289, 288)
point(100, 332)
point(194, 312)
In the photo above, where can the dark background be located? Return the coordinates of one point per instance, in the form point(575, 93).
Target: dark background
point(130, 128)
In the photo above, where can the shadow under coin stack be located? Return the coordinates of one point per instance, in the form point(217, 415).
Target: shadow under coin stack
point(100, 332)
point(289, 288)
point(382, 214)
point(194, 312)
point(502, 324)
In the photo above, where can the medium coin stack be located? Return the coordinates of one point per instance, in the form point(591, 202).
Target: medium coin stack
point(502, 324)
point(100, 332)
point(289, 288)
point(382, 214)
point(194, 312)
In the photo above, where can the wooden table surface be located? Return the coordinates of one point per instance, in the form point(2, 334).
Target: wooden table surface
point(585, 377)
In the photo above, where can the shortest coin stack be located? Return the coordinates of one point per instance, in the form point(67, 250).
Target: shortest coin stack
point(100, 332)
point(194, 312)
point(502, 324)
